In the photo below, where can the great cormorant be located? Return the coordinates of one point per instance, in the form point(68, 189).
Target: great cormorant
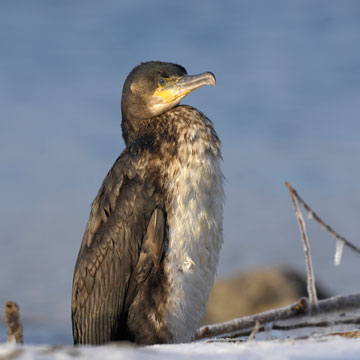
point(151, 246)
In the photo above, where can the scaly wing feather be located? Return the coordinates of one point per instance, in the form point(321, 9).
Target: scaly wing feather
point(122, 242)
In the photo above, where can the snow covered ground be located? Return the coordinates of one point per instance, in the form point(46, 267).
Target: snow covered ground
point(335, 348)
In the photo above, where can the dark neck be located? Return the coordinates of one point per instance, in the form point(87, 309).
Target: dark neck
point(134, 119)
point(128, 130)
point(134, 129)
point(159, 127)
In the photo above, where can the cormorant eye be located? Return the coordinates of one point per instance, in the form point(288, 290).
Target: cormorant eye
point(162, 81)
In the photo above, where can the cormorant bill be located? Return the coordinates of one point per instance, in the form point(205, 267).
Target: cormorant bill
point(151, 246)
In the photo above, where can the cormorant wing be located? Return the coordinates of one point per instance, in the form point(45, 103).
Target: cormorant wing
point(122, 244)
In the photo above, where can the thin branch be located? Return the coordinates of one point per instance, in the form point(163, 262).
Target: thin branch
point(347, 334)
point(13, 322)
point(309, 268)
point(233, 327)
point(244, 325)
point(323, 224)
point(254, 331)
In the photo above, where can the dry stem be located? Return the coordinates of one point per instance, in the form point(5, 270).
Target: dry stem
point(13, 323)
point(254, 331)
point(245, 325)
point(323, 224)
point(309, 268)
point(236, 327)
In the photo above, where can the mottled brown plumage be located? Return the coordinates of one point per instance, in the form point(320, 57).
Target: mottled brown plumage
point(122, 284)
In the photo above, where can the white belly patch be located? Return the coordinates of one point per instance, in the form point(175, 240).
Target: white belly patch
point(195, 237)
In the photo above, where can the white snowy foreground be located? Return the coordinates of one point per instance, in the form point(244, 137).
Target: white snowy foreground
point(330, 348)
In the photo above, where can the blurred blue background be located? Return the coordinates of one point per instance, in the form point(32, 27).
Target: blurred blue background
point(286, 106)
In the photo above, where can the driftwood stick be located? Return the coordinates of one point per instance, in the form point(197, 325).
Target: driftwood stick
point(323, 224)
point(340, 302)
point(309, 268)
point(232, 327)
point(13, 323)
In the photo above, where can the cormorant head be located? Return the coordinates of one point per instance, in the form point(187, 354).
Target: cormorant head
point(153, 88)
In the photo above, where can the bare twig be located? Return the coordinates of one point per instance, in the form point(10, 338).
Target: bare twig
point(323, 224)
point(244, 325)
point(13, 323)
point(347, 334)
point(236, 326)
point(309, 268)
point(254, 331)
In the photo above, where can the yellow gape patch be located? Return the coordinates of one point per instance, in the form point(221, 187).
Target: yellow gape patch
point(166, 94)
point(169, 93)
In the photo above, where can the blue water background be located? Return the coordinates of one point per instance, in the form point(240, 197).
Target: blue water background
point(286, 106)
